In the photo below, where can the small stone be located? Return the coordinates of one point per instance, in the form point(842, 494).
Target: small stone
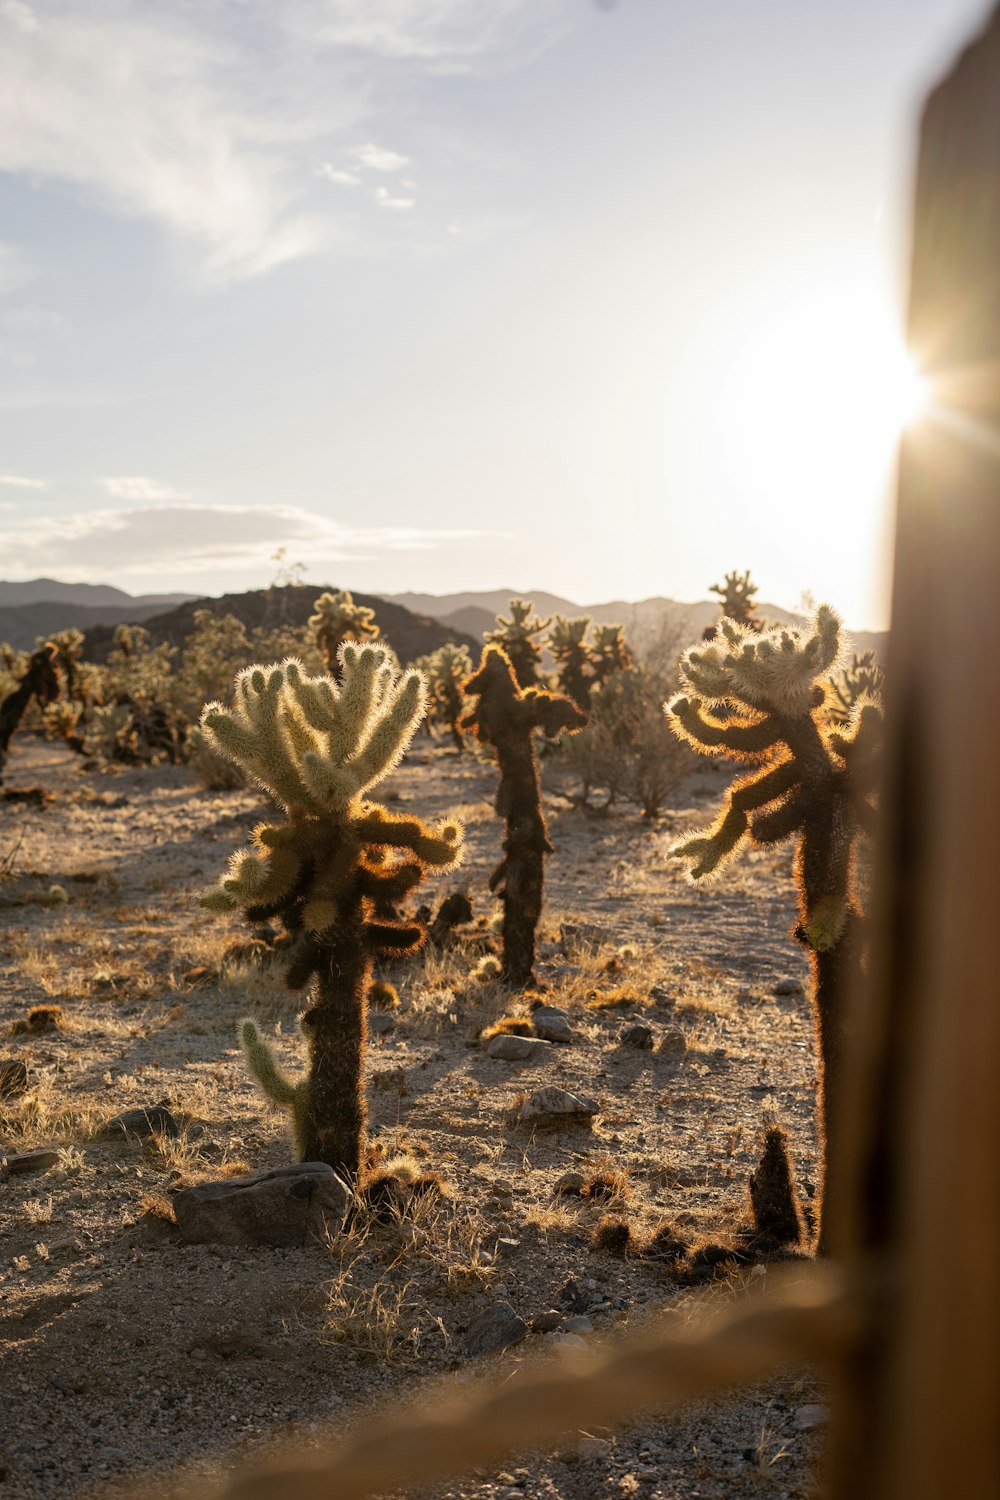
point(663, 998)
point(517, 1048)
point(507, 1247)
point(285, 1207)
point(673, 1044)
point(593, 1447)
point(789, 987)
point(30, 1161)
point(495, 1329)
point(814, 1414)
point(552, 1024)
point(547, 1322)
point(500, 1188)
point(566, 1340)
point(13, 1077)
point(570, 1185)
point(578, 1324)
point(553, 1105)
point(154, 1119)
point(638, 1036)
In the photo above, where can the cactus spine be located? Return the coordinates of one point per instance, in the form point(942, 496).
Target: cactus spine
point(506, 717)
point(338, 619)
point(318, 746)
point(516, 637)
point(805, 783)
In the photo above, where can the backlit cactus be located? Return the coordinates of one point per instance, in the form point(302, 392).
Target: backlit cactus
point(446, 670)
point(571, 652)
point(40, 680)
point(318, 746)
point(736, 592)
point(862, 677)
point(506, 717)
point(805, 783)
point(338, 619)
point(609, 652)
point(516, 637)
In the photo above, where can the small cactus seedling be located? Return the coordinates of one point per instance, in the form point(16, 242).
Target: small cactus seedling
point(806, 783)
point(338, 619)
point(40, 681)
point(737, 594)
point(571, 651)
point(506, 717)
point(516, 637)
point(446, 669)
point(318, 746)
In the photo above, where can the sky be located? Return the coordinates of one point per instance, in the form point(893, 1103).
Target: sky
point(597, 296)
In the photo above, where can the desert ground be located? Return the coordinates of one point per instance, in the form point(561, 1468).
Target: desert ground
point(127, 1355)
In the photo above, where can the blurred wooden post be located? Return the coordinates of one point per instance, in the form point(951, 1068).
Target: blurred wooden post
point(921, 1403)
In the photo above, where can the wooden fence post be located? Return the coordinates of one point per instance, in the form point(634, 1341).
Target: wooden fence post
point(920, 1403)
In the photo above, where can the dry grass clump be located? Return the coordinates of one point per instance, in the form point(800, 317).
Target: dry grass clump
point(608, 1186)
point(622, 998)
point(39, 1020)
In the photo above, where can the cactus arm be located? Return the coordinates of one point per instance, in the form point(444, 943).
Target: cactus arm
point(707, 852)
point(775, 825)
point(706, 733)
point(390, 885)
point(439, 847)
point(260, 1061)
point(394, 937)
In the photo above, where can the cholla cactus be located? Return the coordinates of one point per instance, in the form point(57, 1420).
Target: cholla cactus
point(736, 593)
point(69, 646)
point(571, 652)
point(337, 619)
point(318, 746)
point(506, 718)
point(609, 652)
point(39, 680)
point(806, 783)
point(446, 670)
point(516, 637)
point(862, 677)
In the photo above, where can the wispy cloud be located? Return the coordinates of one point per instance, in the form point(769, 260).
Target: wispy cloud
point(197, 539)
point(205, 119)
point(380, 160)
point(20, 482)
point(139, 487)
point(14, 269)
point(385, 199)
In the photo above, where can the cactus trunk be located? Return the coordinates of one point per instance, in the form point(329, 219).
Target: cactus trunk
point(333, 1124)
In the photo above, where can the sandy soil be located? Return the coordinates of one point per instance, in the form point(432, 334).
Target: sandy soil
point(123, 1350)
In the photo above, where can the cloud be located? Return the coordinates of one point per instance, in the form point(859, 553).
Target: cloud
point(198, 539)
point(454, 36)
point(138, 487)
point(338, 175)
point(380, 160)
point(19, 482)
point(14, 270)
point(385, 199)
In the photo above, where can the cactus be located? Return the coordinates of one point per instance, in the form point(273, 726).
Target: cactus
point(571, 652)
point(736, 594)
point(862, 677)
point(69, 646)
point(609, 652)
point(506, 717)
point(516, 637)
point(446, 669)
point(338, 619)
point(41, 681)
point(806, 783)
point(317, 746)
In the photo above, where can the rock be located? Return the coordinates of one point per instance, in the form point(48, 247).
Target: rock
point(507, 1247)
point(789, 987)
point(638, 1036)
point(570, 1185)
point(495, 1329)
point(547, 1322)
point(593, 1447)
point(552, 1105)
point(814, 1414)
point(19, 1162)
point(517, 1048)
point(566, 1340)
point(154, 1119)
point(673, 1044)
point(502, 1189)
point(573, 1297)
point(380, 1023)
point(662, 997)
point(582, 937)
point(13, 1077)
point(287, 1206)
point(578, 1324)
point(552, 1024)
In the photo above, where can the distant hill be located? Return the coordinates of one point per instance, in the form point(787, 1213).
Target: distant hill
point(408, 633)
point(21, 625)
point(89, 595)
